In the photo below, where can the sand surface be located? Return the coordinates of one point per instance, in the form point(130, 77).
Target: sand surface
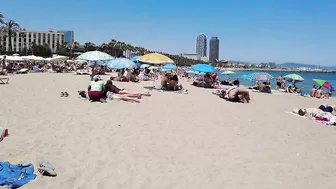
point(168, 141)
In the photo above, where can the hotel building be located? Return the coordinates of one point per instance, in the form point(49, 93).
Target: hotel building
point(69, 36)
point(214, 50)
point(201, 45)
point(24, 38)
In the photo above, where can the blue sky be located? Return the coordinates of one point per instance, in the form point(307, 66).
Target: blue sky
point(256, 31)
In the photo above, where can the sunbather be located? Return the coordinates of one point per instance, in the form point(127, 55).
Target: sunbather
point(237, 94)
point(316, 114)
point(112, 88)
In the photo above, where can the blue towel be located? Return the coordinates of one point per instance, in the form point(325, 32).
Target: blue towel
point(16, 176)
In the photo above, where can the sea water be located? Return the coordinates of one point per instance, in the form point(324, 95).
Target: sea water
point(306, 85)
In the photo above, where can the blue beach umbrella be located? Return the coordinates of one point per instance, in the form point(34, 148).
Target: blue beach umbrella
point(205, 68)
point(164, 69)
point(121, 63)
point(169, 66)
point(135, 58)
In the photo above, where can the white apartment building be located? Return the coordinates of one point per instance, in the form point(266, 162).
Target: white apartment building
point(25, 38)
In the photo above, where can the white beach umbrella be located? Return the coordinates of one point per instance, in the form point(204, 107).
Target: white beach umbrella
point(228, 72)
point(95, 56)
point(33, 57)
point(14, 58)
point(57, 58)
point(144, 66)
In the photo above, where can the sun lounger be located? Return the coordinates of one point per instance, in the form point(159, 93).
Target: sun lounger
point(4, 80)
point(23, 71)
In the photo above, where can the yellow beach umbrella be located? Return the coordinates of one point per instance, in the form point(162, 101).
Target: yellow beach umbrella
point(155, 58)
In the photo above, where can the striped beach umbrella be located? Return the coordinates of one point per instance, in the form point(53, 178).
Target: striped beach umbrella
point(324, 84)
point(260, 76)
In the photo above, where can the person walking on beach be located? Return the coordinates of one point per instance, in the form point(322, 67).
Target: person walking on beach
point(278, 82)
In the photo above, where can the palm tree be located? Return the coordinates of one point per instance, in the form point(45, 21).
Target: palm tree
point(10, 28)
point(1, 18)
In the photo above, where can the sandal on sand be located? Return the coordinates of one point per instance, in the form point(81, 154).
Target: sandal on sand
point(103, 100)
point(66, 94)
point(46, 171)
point(47, 164)
point(62, 94)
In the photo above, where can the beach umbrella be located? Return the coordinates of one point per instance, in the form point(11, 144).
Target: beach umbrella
point(14, 58)
point(94, 56)
point(169, 66)
point(228, 72)
point(135, 58)
point(144, 66)
point(247, 77)
point(155, 58)
point(324, 84)
point(153, 67)
point(33, 57)
point(293, 77)
point(261, 76)
point(164, 70)
point(205, 68)
point(120, 63)
point(57, 58)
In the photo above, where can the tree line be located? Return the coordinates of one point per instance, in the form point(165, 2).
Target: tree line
point(9, 28)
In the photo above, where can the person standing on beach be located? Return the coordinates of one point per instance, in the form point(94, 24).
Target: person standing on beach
point(283, 83)
point(3, 63)
point(279, 82)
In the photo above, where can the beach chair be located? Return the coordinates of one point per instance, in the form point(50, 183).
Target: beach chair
point(23, 71)
point(4, 80)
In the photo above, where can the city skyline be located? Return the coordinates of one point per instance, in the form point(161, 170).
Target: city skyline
point(262, 31)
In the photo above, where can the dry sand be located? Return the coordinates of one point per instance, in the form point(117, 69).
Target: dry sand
point(168, 141)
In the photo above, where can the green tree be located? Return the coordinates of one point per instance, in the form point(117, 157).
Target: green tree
point(10, 28)
point(90, 46)
point(42, 50)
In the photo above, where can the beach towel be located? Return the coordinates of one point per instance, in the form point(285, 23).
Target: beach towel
point(15, 176)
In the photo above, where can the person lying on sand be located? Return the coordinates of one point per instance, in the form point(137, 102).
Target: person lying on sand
point(316, 114)
point(112, 88)
point(237, 94)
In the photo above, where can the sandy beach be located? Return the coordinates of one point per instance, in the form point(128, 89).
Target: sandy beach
point(168, 141)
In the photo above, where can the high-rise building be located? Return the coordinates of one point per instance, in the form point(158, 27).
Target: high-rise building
point(201, 45)
point(69, 36)
point(214, 50)
point(24, 39)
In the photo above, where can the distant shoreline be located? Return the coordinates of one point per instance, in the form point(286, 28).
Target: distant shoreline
point(278, 70)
